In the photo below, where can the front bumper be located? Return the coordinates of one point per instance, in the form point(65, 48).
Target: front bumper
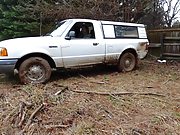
point(7, 65)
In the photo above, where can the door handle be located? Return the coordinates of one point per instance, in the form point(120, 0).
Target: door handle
point(95, 44)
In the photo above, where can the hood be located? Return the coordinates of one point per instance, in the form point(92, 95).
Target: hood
point(26, 42)
point(19, 47)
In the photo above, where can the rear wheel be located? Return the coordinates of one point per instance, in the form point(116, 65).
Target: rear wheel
point(127, 62)
point(34, 70)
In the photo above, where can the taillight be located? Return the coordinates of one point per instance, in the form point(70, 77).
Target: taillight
point(147, 45)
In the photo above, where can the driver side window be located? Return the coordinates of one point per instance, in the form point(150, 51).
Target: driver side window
point(82, 30)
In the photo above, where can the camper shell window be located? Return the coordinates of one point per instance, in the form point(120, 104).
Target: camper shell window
point(126, 31)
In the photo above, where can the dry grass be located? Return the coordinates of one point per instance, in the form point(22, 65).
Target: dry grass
point(71, 113)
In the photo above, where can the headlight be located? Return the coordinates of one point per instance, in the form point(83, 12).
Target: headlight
point(3, 52)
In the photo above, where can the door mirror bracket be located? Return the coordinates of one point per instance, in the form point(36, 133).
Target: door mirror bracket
point(70, 35)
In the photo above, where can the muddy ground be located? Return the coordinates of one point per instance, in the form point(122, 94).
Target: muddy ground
point(95, 101)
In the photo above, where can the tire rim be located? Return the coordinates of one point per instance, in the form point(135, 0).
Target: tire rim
point(128, 63)
point(35, 72)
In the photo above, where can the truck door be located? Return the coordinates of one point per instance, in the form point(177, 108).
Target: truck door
point(82, 47)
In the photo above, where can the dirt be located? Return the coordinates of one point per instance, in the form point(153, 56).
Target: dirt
point(151, 107)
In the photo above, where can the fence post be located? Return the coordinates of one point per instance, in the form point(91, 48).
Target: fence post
point(162, 46)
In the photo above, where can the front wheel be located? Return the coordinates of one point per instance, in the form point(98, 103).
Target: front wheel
point(34, 70)
point(127, 62)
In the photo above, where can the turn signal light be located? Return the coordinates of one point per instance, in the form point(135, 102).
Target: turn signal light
point(147, 45)
point(3, 52)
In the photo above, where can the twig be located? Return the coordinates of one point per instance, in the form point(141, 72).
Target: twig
point(31, 118)
point(106, 132)
point(32, 129)
point(61, 91)
point(21, 108)
point(91, 80)
point(56, 126)
point(119, 93)
point(160, 100)
point(10, 114)
point(28, 104)
point(21, 114)
point(176, 99)
point(16, 86)
point(33, 114)
point(167, 81)
point(22, 118)
point(22, 111)
point(59, 85)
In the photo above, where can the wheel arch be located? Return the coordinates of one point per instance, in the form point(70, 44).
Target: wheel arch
point(121, 66)
point(41, 55)
point(130, 50)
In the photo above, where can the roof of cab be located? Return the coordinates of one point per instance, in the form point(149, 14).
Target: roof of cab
point(110, 22)
point(121, 23)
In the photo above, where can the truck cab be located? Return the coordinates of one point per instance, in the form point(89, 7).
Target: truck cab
point(75, 43)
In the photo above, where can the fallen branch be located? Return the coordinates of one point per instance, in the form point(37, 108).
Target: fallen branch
point(119, 93)
point(22, 118)
point(56, 126)
point(33, 114)
point(31, 118)
point(21, 114)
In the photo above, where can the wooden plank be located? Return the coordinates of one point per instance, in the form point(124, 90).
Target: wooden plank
point(166, 30)
point(172, 38)
point(154, 45)
point(171, 54)
point(171, 44)
point(170, 58)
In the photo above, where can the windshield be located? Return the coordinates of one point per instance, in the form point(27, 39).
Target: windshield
point(61, 27)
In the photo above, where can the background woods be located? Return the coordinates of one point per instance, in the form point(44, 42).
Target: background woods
point(33, 17)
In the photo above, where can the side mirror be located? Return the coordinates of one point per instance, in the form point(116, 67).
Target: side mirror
point(70, 35)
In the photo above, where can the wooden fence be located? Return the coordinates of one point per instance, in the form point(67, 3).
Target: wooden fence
point(165, 43)
point(170, 47)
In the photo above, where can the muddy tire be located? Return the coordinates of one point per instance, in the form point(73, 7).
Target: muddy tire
point(34, 70)
point(127, 62)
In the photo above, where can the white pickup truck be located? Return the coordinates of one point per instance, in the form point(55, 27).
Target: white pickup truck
point(75, 43)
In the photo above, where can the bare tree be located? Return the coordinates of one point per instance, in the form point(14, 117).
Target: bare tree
point(172, 9)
